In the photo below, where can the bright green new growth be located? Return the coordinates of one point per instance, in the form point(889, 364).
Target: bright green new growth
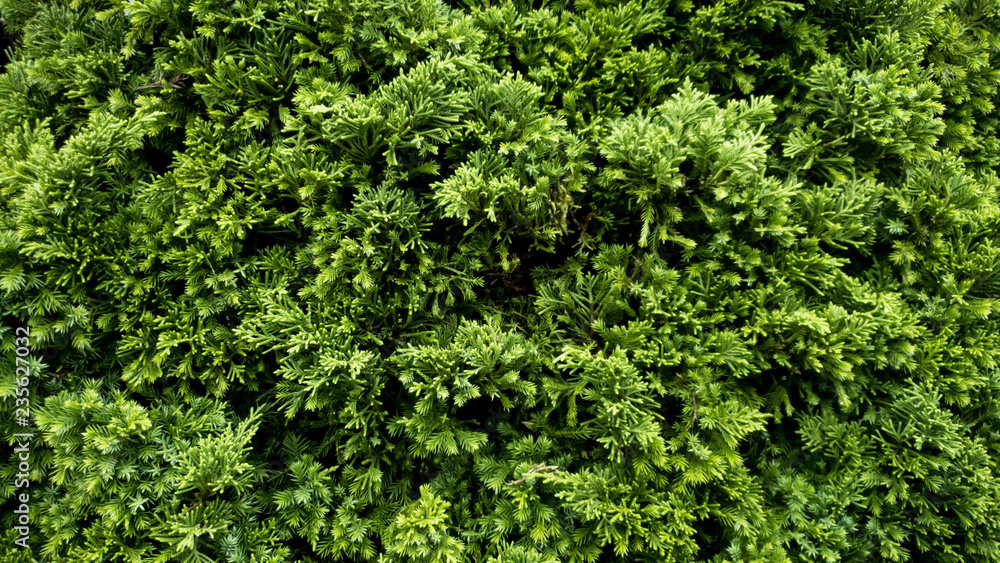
point(500, 282)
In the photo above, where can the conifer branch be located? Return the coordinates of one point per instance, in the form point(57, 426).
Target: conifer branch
point(536, 469)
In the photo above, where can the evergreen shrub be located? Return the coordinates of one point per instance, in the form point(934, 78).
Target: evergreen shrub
point(496, 281)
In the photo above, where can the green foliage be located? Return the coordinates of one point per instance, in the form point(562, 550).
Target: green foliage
point(556, 282)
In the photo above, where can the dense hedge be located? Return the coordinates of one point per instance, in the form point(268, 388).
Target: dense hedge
point(498, 282)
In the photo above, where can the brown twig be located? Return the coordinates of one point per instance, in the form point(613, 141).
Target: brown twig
point(535, 469)
point(173, 83)
point(694, 399)
point(586, 223)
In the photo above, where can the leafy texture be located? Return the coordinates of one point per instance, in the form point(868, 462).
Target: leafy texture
point(438, 281)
